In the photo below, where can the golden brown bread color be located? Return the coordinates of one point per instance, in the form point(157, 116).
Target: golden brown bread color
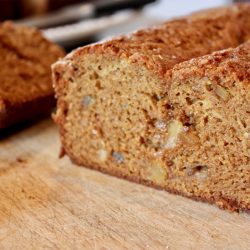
point(25, 76)
point(149, 108)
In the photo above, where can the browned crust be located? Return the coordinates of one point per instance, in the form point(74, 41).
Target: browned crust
point(140, 45)
point(233, 61)
point(220, 201)
point(12, 114)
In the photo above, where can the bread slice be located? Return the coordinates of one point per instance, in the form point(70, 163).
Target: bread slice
point(132, 107)
point(25, 76)
point(209, 128)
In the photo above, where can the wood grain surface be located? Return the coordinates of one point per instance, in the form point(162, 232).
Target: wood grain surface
point(48, 203)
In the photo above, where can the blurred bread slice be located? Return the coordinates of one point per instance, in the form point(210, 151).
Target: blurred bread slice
point(25, 86)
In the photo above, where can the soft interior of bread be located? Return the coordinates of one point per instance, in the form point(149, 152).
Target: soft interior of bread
point(110, 107)
point(192, 139)
point(211, 156)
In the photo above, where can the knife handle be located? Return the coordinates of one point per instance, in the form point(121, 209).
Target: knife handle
point(110, 6)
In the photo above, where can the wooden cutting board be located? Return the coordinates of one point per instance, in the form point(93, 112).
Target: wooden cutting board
point(48, 203)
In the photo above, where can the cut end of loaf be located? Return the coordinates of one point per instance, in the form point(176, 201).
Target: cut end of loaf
point(192, 138)
point(107, 111)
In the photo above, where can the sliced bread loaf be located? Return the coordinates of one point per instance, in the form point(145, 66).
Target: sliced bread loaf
point(139, 107)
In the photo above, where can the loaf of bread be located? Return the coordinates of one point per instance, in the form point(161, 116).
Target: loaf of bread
point(156, 107)
point(26, 87)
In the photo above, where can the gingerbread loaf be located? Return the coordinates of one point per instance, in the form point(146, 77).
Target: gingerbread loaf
point(156, 107)
point(25, 76)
